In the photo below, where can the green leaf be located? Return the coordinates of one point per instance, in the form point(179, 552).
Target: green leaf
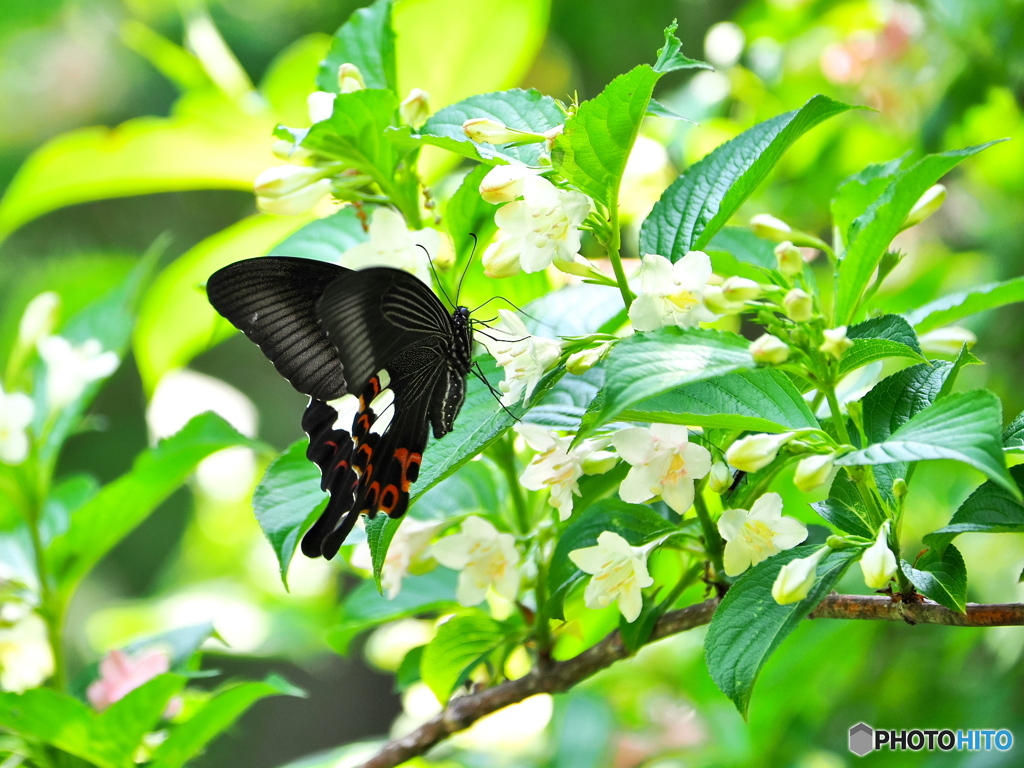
point(119, 729)
point(176, 322)
point(873, 231)
point(409, 670)
point(941, 576)
point(856, 193)
point(218, 714)
point(124, 503)
point(704, 198)
point(648, 364)
point(738, 251)
point(1013, 435)
point(287, 501)
point(964, 427)
point(364, 608)
point(354, 134)
point(749, 625)
point(878, 339)
point(636, 523)
point(41, 714)
point(522, 110)
point(760, 400)
point(468, 214)
point(459, 646)
point(990, 509)
point(845, 509)
point(961, 304)
point(379, 533)
point(473, 489)
point(324, 239)
point(367, 40)
point(670, 57)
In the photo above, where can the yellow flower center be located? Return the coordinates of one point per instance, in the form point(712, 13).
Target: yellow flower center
point(758, 536)
point(683, 300)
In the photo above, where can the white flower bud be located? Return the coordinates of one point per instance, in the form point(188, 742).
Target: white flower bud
point(769, 350)
point(39, 319)
point(755, 452)
point(444, 258)
point(581, 362)
point(796, 578)
point(350, 79)
point(770, 228)
point(798, 306)
point(504, 183)
point(501, 259)
point(552, 134)
point(815, 472)
point(297, 202)
point(836, 343)
point(720, 477)
point(740, 289)
point(483, 130)
point(415, 108)
point(320, 105)
point(283, 180)
point(878, 563)
point(715, 301)
point(928, 204)
point(288, 150)
point(599, 462)
point(947, 342)
point(789, 259)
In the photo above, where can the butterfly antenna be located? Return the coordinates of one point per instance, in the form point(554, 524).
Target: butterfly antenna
point(472, 253)
point(478, 372)
point(519, 309)
point(433, 271)
point(506, 341)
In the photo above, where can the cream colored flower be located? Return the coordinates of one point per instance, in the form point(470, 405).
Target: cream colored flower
point(619, 573)
point(504, 183)
point(878, 563)
point(672, 294)
point(927, 204)
point(393, 244)
point(483, 130)
point(815, 473)
point(320, 105)
point(789, 259)
point(769, 350)
point(796, 578)
point(350, 79)
point(26, 660)
point(409, 545)
point(70, 369)
point(836, 343)
point(556, 467)
point(947, 341)
point(290, 190)
point(755, 452)
point(484, 558)
point(770, 228)
point(755, 535)
point(39, 319)
point(16, 412)
point(798, 306)
point(524, 357)
point(415, 108)
point(720, 478)
point(663, 463)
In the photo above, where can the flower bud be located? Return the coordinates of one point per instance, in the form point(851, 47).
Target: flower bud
point(320, 105)
point(350, 79)
point(740, 289)
point(504, 183)
point(796, 578)
point(39, 319)
point(483, 130)
point(285, 179)
point(770, 228)
point(581, 362)
point(297, 202)
point(578, 265)
point(929, 203)
point(798, 306)
point(552, 134)
point(789, 259)
point(878, 563)
point(720, 478)
point(599, 462)
point(899, 488)
point(290, 151)
point(836, 343)
point(501, 259)
point(769, 350)
point(444, 259)
point(815, 472)
point(754, 452)
point(947, 341)
point(714, 300)
point(415, 108)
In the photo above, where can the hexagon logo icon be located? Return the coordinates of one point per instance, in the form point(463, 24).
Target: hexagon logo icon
point(862, 739)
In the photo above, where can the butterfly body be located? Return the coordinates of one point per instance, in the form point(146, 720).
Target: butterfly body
point(332, 332)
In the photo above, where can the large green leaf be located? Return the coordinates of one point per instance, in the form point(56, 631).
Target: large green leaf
point(1013, 435)
point(120, 728)
point(961, 304)
point(354, 134)
point(738, 251)
point(856, 193)
point(844, 508)
point(964, 427)
point(704, 198)
point(942, 576)
point(367, 40)
point(871, 233)
point(459, 646)
point(41, 714)
point(648, 364)
point(761, 400)
point(990, 509)
point(749, 625)
point(324, 239)
point(878, 339)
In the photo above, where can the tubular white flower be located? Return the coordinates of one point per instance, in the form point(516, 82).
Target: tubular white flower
point(320, 105)
point(501, 259)
point(798, 306)
point(290, 190)
point(619, 573)
point(672, 294)
point(927, 204)
point(815, 473)
point(663, 463)
point(769, 350)
point(504, 183)
point(740, 289)
point(789, 259)
point(544, 225)
point(415, 108)
point(752, 536)
point(409, 545)
point(836, 342)
point(483, 130)
point(580, 362)
point(393, 244)
point(70, 369)
point(755, 452)
point(39, 319)
point(524, 357)
point(797, 577)
point(556, 467)
point(25, 656)
point(484, 558)
point(947, 341)
point(16, 412)
point(770, 228)
point(878, 563)
point(350, 79)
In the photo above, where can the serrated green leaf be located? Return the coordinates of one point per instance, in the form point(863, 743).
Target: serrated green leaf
point(738, 251)
point(761, 400)
point(459, 646)
point(367, 40)
point(878, 339)
point(379, 533)
point(704, 198)
point(941, 577)
point(957, 306)
point(857, 192)
point(648, 364)
point(120, 728)
point(354, 134)
point(873, 231)
point(749, 625)
point(564, 406)
point(1013, 435)
point(467, 214)
point(990, 509)
point(670, 56)
point(845, 509)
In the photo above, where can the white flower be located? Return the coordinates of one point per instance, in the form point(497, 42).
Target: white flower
point(415, 108)
point(752, 536)
point(320, 105)
point(555, 466)
point(664, 463)
point(392, 244)
point(25, 656)
point(878, 561)
point(769, 350)
point(947, 341)
point(836, 343)
point(798, 306)
point(484, 557)
point(770, 228)
point(289, 190)
point(407, 547)
point(501, 259)
point(796, 578)
point(350, 79)
point(755, 452)
point(16, 412)
point(927, 204)
point(619, 573)
point(580, 362)
point(815, 473)
point(504, 183)
point(789, 259)
point(740, 289)
point(672, 294)
point(39, 319)
point(544, 226)
point(525, 358)
point(70, 369)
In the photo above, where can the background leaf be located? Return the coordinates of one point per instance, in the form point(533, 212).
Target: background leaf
point(942, 576)
point(367, 40)
point(961, 304)
point(990, 509)
point(460, 645)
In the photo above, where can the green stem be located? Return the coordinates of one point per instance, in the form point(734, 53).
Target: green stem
point(837, 415)
point(712, 538)
point(543, 630)
point(507, 461)
point(613, 245)
point(49, 604)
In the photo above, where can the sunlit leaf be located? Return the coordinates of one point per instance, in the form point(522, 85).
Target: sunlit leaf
point(459, 646)
point(990, 509)
point(879, 339)
point(366, 40)
point(942, 576)
point(957, 306)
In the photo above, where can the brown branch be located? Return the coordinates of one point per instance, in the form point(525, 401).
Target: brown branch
point(560, 676)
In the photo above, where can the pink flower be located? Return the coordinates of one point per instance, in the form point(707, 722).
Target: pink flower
point(120, 674)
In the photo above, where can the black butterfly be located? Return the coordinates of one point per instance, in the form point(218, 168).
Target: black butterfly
point(332, 331)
